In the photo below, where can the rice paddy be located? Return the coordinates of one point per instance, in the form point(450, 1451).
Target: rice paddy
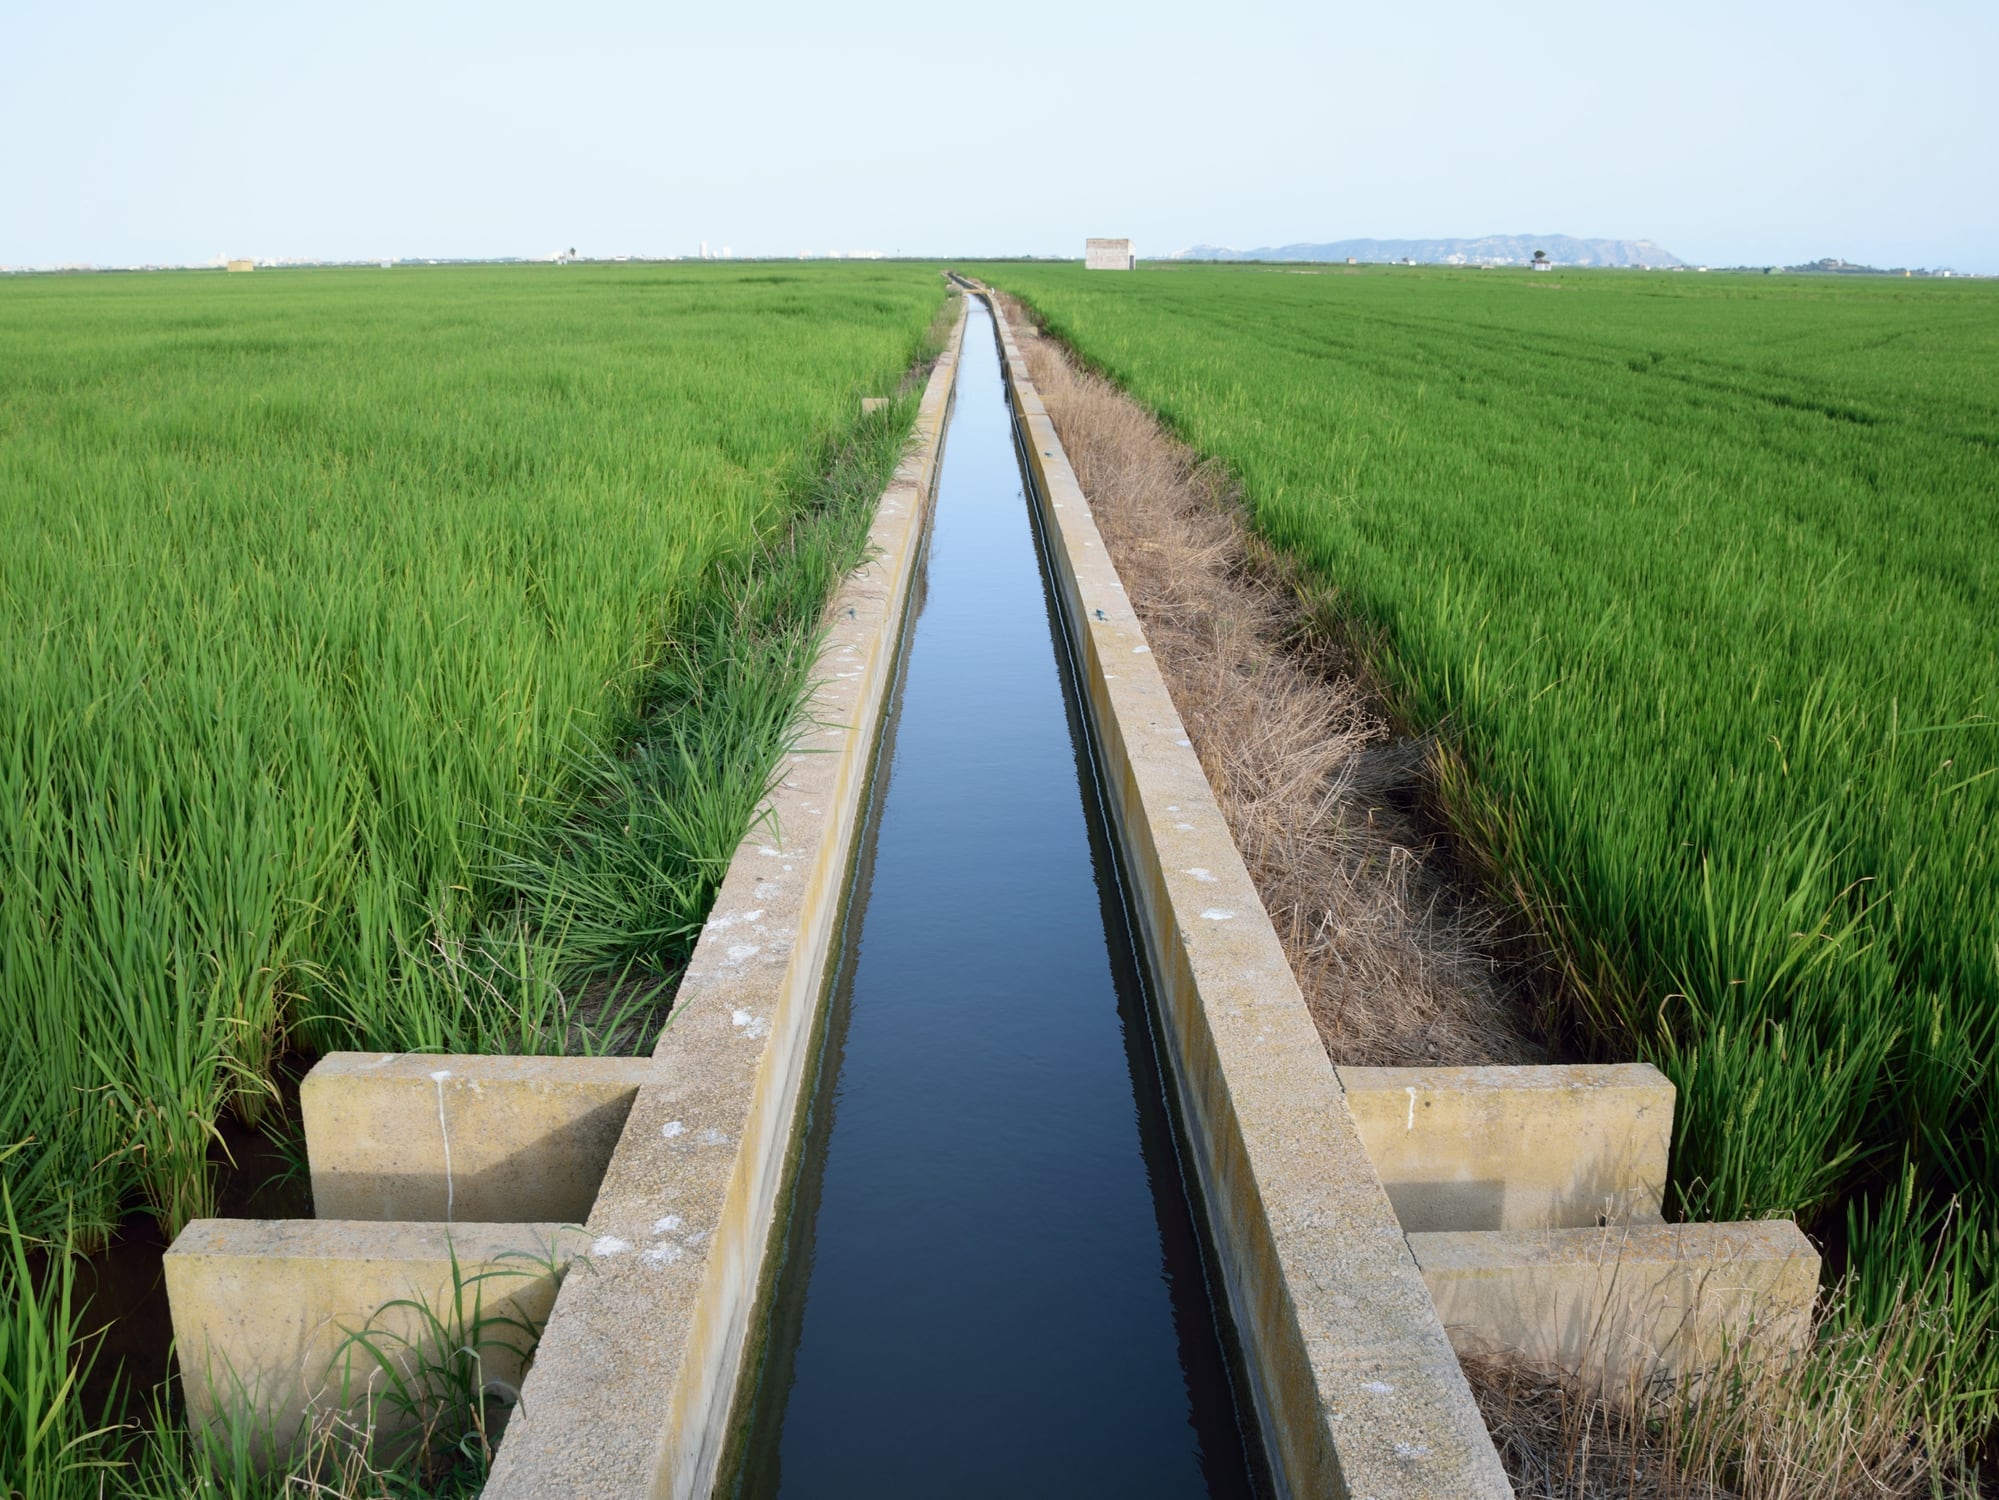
point(1696, 579)
point(390, 659)
point(395, 659)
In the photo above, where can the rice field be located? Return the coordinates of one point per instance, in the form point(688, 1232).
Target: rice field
point(1697, 578)
point(390, 659)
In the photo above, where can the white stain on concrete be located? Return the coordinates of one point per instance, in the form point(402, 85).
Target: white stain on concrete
point(1216, 914)
point(742, 952)
point(662, 1255)
point(1202, 874)
point(444, 1130)
point(1379, 1387)
point(609, 1244)
point(1411, 1092)
point(666, 1225)
point(672, 1128)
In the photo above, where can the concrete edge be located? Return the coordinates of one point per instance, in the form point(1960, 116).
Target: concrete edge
point(1358, 1389)
point(632, 1385)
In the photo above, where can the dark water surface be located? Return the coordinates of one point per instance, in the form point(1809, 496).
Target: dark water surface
point(993, 1283)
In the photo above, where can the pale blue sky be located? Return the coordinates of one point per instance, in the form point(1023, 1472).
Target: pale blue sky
point(1729, 133)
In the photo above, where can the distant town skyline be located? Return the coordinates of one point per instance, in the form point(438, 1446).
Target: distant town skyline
point(1751, 134)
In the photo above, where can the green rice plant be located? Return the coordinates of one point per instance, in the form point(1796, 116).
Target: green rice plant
point(645, 836)
point(1696, 579)
point(238, 1457)
point(423, 1373)
point(1922, 1301)
point(49, 1449)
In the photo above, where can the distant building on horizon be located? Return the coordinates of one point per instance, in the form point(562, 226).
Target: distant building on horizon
point(242, 265)
point(1109, 255)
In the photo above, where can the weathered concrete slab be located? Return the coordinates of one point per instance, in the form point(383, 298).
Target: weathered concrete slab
point(263, 1309)
point(630, 1391)
point(463, 1139)
point(1624, 1305)
point(1516, 1147)
point(1359, 1390)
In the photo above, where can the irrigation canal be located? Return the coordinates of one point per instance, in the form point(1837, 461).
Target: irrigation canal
point(993, 1280)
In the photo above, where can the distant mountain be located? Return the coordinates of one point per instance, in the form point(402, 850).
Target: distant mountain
point(1490, 250)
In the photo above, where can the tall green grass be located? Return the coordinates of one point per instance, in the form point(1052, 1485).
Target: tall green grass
point(337, 611)
point(1700, 577)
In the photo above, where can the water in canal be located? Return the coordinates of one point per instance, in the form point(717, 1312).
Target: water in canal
point(993, 1282)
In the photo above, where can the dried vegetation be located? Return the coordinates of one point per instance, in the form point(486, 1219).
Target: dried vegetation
point(1398, 963)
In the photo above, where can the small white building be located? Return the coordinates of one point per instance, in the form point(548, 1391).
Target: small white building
point(1109, 255)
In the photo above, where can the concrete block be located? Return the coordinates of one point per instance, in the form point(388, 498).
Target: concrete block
point(263, 1309)
point(1624, 1306)
point(1516, 1148)
point(464, 1139)
point(1109, 255)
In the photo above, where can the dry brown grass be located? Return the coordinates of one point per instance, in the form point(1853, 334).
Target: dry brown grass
point(1396, 960)
point(1840, 1421)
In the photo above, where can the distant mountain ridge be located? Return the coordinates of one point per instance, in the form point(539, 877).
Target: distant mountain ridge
point(1488, 250)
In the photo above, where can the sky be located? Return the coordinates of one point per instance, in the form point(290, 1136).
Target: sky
point(1745, 133)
